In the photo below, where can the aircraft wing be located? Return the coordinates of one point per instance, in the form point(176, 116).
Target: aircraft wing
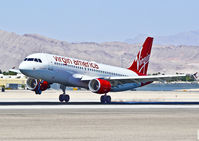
point(141, 79)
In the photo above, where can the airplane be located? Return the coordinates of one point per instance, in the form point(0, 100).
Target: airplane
point(45, 69)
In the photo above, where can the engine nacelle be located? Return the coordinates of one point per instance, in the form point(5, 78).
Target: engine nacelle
point(37, 85)
point(99, 86)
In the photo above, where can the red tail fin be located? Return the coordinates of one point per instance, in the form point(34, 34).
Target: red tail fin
point(140, 64)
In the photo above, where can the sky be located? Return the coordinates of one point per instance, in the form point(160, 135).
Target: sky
point(98, 20)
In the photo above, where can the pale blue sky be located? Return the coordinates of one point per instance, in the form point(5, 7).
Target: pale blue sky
point(98, 20)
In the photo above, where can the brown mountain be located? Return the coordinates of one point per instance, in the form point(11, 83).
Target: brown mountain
point(167, 59)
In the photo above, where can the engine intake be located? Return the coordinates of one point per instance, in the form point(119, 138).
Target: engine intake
point(34, 84)
point(99, 86)
point(31, 83)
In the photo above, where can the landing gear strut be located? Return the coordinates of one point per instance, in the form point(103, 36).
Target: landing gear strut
point(64, 97)
point(105, 99)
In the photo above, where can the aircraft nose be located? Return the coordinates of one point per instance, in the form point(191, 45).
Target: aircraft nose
point(24, 68)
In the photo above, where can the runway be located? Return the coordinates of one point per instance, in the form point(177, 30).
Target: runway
point(99, 124)
point(98, 105)
point(24, 116)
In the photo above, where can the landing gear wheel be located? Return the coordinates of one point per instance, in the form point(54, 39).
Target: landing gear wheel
point(61, 97)
point(103, 99)
point(108, 99)
point(66, 98)
point(38, 92)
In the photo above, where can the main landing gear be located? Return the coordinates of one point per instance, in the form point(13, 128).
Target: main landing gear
point(105, 99)
point(64, 97)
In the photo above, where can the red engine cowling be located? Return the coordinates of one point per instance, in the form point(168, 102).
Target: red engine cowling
point(99, 86)
point(37, 85)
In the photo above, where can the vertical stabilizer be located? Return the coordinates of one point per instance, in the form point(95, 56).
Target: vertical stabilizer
point(140, 64)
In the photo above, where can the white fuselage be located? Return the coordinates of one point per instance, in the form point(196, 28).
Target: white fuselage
point(69, 71)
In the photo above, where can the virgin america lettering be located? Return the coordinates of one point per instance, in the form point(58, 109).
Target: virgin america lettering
point(76, 62)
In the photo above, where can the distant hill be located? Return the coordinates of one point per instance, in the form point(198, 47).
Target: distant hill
point(184, 38)
point(165, 58)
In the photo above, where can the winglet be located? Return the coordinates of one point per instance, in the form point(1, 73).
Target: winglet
point(195, 76)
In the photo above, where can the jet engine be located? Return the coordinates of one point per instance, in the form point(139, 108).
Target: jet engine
point(99, 86)
point(37, 85)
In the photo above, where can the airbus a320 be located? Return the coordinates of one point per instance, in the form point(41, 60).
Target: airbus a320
point(45, 69)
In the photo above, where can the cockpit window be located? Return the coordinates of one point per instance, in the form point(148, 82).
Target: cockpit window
point(33, 59)
point(40, 60)
point(30, 59)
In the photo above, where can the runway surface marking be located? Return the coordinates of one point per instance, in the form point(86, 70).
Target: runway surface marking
point(98, 106)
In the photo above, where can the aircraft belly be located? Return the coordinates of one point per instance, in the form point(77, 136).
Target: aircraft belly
point(66, 78)
point(75, 82)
